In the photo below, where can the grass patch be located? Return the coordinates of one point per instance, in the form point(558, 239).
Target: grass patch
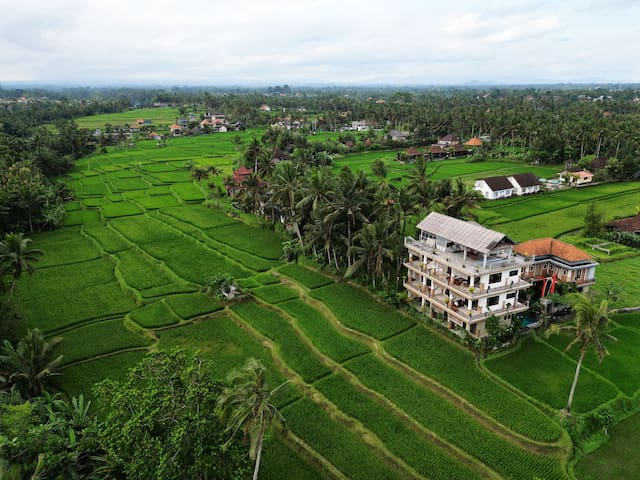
point(154, 316)
point(75, 250)
point(74, 306)
point(614, 459)
point(125, 184)
point(121, 209)
point(336, 442)
point(630, 320)
point(275, 293)
point(318, 329)
point(256, 241)
point(279, 457)
point(139, 272)
point(46, 281)
point(80, 378)
point(427, 459)
point(309, 278)
point(157, 201)
point(294, 352)
point(81, 217)
point(227, 346)
point(550, 380)
point(193, 304)
point(188, 192)
point(98, 338)
point(621, 366)
point(267, 278)
point(455, 368)
point(109, 240)
point(358, 310)
point(200, 216)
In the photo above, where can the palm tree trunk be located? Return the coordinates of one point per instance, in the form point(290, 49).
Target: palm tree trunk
point(575, 382)
point(258, 452)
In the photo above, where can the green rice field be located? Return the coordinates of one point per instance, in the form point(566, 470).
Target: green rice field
point(372, 392)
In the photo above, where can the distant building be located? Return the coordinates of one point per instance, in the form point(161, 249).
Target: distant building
point(473, 142)
point(576, 177)
point(265, 108)
point(399, 136)
point(448, 140)
point(493, 188)
point(505, 186)
point(628, 224)
point(525, 183)
point(176, 130)
point(464, 272)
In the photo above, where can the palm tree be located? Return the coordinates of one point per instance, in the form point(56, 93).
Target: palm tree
point(460, 200)
point(199, 173)
point(29, 365)
point(246, 405)
point(591, 322)
point(15, 257)
point(374, 247)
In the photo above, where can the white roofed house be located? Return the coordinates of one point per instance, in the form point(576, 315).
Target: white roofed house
point(465, 273)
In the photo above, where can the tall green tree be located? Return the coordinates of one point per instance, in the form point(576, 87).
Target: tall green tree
point(30, 364)
point(161, 422)
point(589, 331)
point(247, 406)
point(16, 257)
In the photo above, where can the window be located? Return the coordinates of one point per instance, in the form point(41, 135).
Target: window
point(495, 277)
point(513, 273)
point(511, 295)
point(491, 301)
point(578, 274)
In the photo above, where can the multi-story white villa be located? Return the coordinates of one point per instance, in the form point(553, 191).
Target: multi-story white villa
point(466, 272)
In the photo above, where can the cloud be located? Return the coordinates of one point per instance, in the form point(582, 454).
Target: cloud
point(407, 41)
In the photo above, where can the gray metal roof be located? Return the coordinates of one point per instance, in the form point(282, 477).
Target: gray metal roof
point(468, 234)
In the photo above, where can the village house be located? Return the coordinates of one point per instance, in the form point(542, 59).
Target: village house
point(525, 183)
point(175, 130)
point(473, 142)
point(494, 187)
point(464, 273)
point(265, 108)
point(360, 125)
point(437, 152)
point(238, 178)
point(628, 224)
point(505, 186)
point(398, 136)
point(448, 141)
point(576, 177)
point(553, 261)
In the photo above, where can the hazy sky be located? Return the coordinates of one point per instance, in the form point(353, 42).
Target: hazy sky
point(263, 42)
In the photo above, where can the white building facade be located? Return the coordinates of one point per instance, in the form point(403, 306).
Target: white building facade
point(464, 273)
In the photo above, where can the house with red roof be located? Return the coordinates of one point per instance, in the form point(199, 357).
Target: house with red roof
point(554, 260)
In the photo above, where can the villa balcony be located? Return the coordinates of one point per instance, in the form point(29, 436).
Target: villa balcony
point(472, 265)
point(460, 286)
point(464, 314)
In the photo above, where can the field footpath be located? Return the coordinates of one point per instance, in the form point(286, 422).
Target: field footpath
point(329, 407)
point(559, 449)
point(407, 419)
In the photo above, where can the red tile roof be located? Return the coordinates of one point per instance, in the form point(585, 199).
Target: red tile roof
point(473, 142)
point(550, 246)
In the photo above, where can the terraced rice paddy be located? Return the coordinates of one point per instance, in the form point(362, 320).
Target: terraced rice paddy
point(372, 394)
